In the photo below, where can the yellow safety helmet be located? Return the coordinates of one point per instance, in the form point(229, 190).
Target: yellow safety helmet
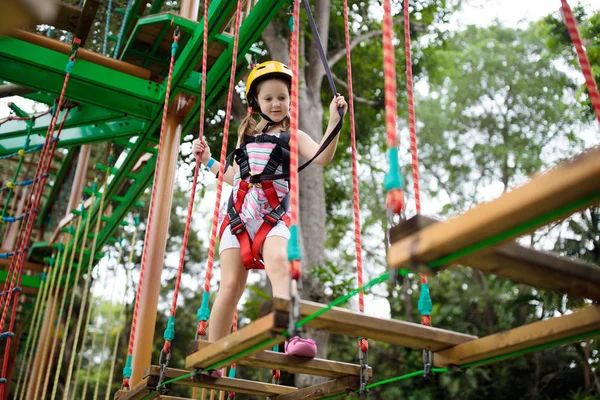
point(270, 69)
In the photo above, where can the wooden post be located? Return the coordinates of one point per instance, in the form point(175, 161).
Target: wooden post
point(43, 346)
point(80, 176)
point(157, 239)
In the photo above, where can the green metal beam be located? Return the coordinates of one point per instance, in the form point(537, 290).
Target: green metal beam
point(29, 281)
point(39, 68)
point(85, 124)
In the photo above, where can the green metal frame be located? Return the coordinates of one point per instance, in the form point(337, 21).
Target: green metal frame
point(43, 69)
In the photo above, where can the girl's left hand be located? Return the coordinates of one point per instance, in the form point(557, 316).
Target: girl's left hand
point(336, 103)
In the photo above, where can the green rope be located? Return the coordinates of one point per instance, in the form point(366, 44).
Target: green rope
point(516, 231)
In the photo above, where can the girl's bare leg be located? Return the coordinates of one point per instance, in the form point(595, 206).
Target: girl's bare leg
point(233, 283)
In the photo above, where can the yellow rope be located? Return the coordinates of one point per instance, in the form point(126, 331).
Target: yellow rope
point(106, 331)
point(120, 322)
point(63, 344)
point(36, 310)
point(86, 289)
point(38, 329)
point(88, 370)
point(61, 308)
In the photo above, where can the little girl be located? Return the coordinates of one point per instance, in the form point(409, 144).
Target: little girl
point(254, 226)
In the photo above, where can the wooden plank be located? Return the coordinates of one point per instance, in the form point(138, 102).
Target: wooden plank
point(258, 332)
point(323, 390)
point(4, 262)
point(521, 264)
point(296, 365)
point(139, 391)
point(226, 384)
point(521, 338)
point(568, 188)
point(88, 13)
point(340, 320)
point(67, 18)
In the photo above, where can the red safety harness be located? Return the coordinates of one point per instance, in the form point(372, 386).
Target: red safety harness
point(251, 249)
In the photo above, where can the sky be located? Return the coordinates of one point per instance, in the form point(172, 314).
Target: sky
point(513, 13)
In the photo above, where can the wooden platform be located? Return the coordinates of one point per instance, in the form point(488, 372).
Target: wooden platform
point(354, 324)
point(520, 264)
point(150, 43)
point(296, 365)
point(148, 385)
point(566, 328)
point(571, 187)
point(323, 390)
point(266, 332)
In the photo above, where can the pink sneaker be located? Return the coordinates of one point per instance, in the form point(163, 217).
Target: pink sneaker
point(215, 373)
point(297, 346)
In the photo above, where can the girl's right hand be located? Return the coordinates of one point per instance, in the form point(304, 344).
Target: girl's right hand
point(201, 151)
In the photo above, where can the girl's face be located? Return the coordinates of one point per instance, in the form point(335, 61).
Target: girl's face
point(274, 99)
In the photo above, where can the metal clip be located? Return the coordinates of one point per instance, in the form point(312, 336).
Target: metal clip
point(294, 312)
point(427, 363)
point(163, 370)
point(363, 358)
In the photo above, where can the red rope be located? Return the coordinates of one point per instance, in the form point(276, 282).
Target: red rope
point(411, 108)
point(196, 170)
point(222, 159)
point(153, 197)
point(33, 203)
point(362, 342)
point(583, 58)
point(389, 74)
point(295, 267)
point(234, 327)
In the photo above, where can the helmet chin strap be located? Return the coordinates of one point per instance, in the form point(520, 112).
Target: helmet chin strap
point(270, 122)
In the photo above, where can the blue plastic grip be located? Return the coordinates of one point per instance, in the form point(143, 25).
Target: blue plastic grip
point(425, 305)
point(170, 331)
point(393, 179)
point(204, 312)
point(294, 252)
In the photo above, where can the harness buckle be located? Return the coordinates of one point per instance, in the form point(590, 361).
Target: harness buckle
point(275, 215)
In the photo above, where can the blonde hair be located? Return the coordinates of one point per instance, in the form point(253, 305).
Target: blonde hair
point(249, 123)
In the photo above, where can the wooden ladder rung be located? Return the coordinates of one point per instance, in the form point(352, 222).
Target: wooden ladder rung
point(259, 335)
point(585, 321)
point(521, 264)
point(564, 190)
point(323, 390)
point(408, 334)
point(224, 384)
point(297, 365)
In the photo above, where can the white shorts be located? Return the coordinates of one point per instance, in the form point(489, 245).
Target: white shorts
point(230, 241)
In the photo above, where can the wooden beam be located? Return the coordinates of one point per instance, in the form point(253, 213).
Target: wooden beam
point(257, 333)
point(549, 197)
point(340, 320)
point(67, 18)
point(323, 390)
point(225, 384)
point(521, 264)
point(295, 365)
point(88, 13)
point(4, 262)
point(586, 321)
